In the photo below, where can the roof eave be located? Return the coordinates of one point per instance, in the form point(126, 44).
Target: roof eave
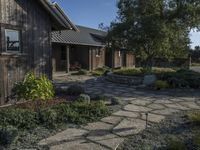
point(53, 9)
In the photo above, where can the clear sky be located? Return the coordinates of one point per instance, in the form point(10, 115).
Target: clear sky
point(91, 13)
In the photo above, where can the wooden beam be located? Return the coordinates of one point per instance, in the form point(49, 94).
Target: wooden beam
point(68, 59)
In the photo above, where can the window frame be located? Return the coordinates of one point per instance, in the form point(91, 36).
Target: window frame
point(19, 36)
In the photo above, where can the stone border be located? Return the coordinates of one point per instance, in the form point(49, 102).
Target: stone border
point(129, 80)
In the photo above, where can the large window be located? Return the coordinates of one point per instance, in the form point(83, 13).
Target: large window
point(12, 40)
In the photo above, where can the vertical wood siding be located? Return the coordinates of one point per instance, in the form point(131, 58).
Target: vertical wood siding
point(34, 22)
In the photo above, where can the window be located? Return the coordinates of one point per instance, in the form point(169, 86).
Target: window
point(63, 53)
point(98, 53)
point(12, 40)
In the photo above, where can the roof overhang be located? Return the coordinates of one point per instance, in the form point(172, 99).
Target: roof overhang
point(62, 20)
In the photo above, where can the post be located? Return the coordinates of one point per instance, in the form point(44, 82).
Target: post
point(68, 59)
point(113, 59)
point(90, 59)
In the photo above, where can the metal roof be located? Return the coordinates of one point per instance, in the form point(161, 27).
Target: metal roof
point(58, 14)
point(85, 36)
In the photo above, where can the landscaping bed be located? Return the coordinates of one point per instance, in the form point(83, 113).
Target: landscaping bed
point(178, 132)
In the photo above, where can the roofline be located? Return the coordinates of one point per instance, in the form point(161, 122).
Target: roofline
point(76, 43)
point(63, 14)
point(58, 14)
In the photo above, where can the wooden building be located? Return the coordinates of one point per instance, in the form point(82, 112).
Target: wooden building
point(120, 58)
point(74, 50)
point(25, 39)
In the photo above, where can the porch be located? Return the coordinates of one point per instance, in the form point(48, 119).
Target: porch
point(67, 58)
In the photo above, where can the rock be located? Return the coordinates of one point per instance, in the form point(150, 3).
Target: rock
point(149, 79)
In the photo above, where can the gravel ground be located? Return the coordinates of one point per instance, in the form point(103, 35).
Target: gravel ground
point(158, 136)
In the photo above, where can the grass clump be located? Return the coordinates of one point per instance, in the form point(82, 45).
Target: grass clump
point(75, 90)
point(129, 72)
point(100, 71)
point(176, 144)
point(159, 84)
point(81, 72)
point(194, 117)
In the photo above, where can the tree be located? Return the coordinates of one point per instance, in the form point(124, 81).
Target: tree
point(155, 28)
point(195, 54)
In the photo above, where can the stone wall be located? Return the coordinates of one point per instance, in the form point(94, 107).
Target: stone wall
point(129, 80)
point(161, 62)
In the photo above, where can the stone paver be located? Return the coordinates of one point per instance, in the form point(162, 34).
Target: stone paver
point(136, 108)
point(78, 145)
point(129, 127)
point(126, 114)
point(109, 132)
point(69, 134)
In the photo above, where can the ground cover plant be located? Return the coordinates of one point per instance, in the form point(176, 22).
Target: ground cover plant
point(142, 71)
point(15, 121)
point(179, 131)
point(100, 71)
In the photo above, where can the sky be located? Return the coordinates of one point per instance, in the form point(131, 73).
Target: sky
point(91, 13)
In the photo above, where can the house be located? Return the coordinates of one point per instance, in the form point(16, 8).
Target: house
point(120, 58)
point(74, 50)
point(86, 49)
point(25, 39)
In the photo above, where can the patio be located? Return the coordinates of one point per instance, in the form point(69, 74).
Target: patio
point(111, 131)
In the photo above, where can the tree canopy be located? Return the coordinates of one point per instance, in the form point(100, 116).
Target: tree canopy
point(155, 28)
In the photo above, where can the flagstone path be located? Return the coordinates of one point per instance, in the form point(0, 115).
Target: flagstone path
point(111, 131)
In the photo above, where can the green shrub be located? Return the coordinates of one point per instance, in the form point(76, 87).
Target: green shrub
point(75, 90)
point(101, 71)
point(128, 72)
point(84, 98)
point(194, 117)
point(7, 135)
point(81, 72)
point(99, 98)
point(33, 88)
point(159, 84)
point(116, 101)
point(197, 140)
point(48, 118)
point(176, 144)
point(81, 112)
point(19, 118)
point(182, 79)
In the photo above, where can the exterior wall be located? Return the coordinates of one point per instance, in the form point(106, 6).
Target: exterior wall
point(125, 59)
point(129, 59)
point(34, 23)
point(97, 61)
point(79, 54)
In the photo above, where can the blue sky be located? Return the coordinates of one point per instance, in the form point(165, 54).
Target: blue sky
point(91, 13)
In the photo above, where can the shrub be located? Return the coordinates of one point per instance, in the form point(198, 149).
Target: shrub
point(32, 88)
point(98, 97)
point(128, 72)
point(101, 71)
point(7, 135)
point(197, 140)
point(159, 84)
point(81, 112)
point(19, 118)
point(194, 117)
point(75, 90)
point(81, 72)
point(48, 118)
point(163, 70)
point(182, 79)
point(116, 101)
point(176, 144)
point(84, 98)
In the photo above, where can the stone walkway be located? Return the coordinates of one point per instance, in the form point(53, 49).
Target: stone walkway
point(144, 109)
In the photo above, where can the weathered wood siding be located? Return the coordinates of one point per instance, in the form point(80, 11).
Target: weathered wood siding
point(97, 61)
point(129, 59)
point(34, 23)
